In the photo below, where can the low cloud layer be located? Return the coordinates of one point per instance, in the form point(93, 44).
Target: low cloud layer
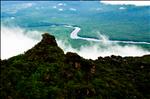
point(103, 49)
point(136, 3)
point(15, 40)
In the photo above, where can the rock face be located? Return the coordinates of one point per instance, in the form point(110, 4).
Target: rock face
point(45, 72)
point(48, 40)
point(46, 50)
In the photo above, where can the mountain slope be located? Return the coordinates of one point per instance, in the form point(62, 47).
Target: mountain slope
point(45, 72)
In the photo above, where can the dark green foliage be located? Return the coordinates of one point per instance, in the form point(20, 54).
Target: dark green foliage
point(45, 72)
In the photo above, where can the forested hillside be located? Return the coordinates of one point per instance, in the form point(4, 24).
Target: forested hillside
point(45, 72)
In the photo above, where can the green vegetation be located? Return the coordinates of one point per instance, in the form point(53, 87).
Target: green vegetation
point(45, 72)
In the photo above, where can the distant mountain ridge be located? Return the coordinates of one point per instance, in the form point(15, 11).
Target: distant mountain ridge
point(45, 72)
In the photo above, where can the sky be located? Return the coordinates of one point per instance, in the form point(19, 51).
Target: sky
point(136, 3)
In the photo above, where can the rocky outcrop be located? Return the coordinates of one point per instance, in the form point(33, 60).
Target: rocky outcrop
point(48, 40)
point(47, 50)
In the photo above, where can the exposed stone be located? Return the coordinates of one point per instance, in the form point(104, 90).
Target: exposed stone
point(46, 50)
point(77, 65)
point(142, 67)
point(48, 39)
point(93, 69)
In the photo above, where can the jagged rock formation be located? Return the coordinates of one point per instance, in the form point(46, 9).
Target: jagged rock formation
point(45, 72)
point(47, 50)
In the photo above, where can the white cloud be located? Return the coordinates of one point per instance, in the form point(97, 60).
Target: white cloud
point(72, 9)
point(104, 48)
point(61, 4)
point(14, 8)
point(12, 18)
point(54, 7)
point(136, 3)
point(15, 41)
point(60, 9)
point(94, 51)
point(122, 8)
point(23, 6)
point(27, 5)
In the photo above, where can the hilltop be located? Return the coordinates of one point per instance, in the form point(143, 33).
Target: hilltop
point(45, 72)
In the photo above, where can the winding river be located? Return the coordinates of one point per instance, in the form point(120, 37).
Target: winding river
point(74, 35)
point(76, 30)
